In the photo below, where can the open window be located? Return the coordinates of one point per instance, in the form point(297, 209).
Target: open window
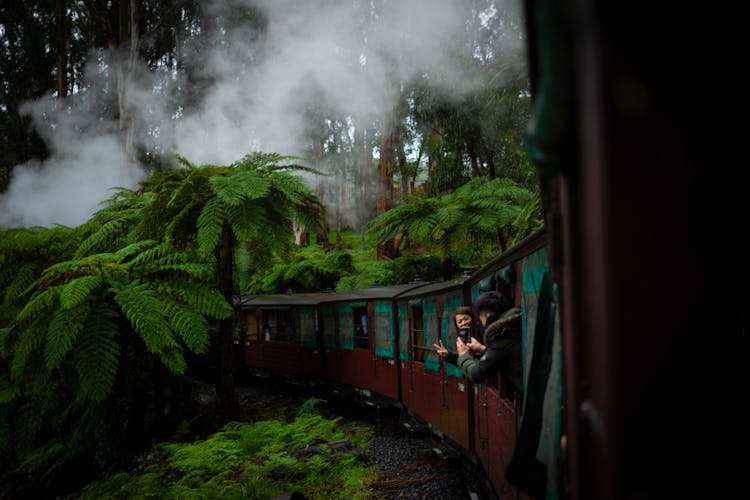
point(361, 331)
point(417, 332)
point(249, 325)
point(278, 325)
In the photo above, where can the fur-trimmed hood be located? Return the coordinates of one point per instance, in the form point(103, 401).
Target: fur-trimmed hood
point(508, 323)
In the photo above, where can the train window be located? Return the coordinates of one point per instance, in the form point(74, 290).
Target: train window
point(329, 326)
point(403, 332)
point(251, 325)
point(307, 327)
point(346, 327)
point(452, 302)
point(431, 335)
point(361, 331)
point(383, 329)
point(278, 325)
point(417, 333)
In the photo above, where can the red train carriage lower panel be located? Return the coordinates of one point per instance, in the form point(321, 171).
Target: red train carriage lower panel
point(284, 357)
point(441, 402)
point(361, 368)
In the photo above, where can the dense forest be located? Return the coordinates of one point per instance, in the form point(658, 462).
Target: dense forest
point(159, 158)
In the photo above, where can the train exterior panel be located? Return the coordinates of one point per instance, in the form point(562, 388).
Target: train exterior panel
point(431, 389)
point(360, 339)
point(280, 333)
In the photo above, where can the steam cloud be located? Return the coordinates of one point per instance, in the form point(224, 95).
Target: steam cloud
point(340, 56)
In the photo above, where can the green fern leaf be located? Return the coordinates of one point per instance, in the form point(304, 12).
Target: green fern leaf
point(78, 290)
point(29, 340)
point(143, 309)
point(21, 282)
point(28, 424)
point(208, 302)
point(9, 393)
point(134, 249)
point(190, 326)
point(97, 353)
point(210, 224)
point(64, 328)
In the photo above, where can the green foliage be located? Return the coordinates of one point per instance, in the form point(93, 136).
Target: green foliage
point(309, 269)
point(480, 214)
point(252, 461)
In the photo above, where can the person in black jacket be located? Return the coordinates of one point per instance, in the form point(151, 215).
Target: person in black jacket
point(502, 343)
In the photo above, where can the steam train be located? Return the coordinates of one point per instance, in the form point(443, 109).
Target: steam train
point(635, 135)
point(379, 342)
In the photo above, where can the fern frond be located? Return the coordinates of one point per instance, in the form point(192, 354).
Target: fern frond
point(210, 224)
point(41, 302)
point(30, 338)
point(23, 279)
point(151, 254)
point(200, 271)
point(63, 330)
point(27, 427)
point(97, 353)
point(189, 325)
point(143, 309)
point(134, 249)
point(9, 393)
point(239, 187)
point(103, 238)
point(78, 290)
point(208, 302)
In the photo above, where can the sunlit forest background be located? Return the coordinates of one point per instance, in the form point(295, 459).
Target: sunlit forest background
point(158, 158)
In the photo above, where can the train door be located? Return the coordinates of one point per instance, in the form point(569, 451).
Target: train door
point(385, 377)
point(329, 324)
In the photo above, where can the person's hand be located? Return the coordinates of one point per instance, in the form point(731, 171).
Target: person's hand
point(441, 350)
point(461, 347)
point(476, 347)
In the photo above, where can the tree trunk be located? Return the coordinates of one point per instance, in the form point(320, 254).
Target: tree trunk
point(320, 191)
point(60, 47)
point(367, 177)
point(224, 340)
point(388, 143)
point(384, 199)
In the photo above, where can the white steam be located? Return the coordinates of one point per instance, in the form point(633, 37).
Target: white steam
point(337, 58)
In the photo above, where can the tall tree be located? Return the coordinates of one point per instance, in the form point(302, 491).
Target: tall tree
point(255, 199)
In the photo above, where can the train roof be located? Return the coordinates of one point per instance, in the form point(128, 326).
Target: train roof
point(376, 292)
point(433, 288)
point(311, 299)
point(286, 299)
point(532, 242)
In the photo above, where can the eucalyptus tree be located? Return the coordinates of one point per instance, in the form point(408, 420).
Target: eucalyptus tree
point(479, 214)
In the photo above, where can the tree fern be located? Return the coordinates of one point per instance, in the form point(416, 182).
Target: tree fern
point(97, 353)
point(23, 279)
point(63, 331)
point(30, 338)
point(77, 291)
point(142, 308)
point(208, 302)
point(189, 325)
point(210, 224)
point(239, 187)
point(27, 426)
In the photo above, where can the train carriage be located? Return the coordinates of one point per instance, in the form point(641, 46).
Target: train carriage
point(433, 390)
point(520, 274)
point(359, 336)
point(280, 333)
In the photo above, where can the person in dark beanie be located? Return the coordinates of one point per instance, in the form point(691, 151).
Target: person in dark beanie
point(502, 342)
